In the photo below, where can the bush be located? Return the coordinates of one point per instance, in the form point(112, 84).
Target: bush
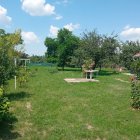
point(135, 68)
point(135, 94)
point(23, 76)
point(6, 67)
point(52, 59)
point(4, 106)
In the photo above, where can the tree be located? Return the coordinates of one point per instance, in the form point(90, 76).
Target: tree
point(89, 48)
point(61, 49)
point(109, 50)
point(67, 43)
point(128, 50)
point(52, 45)
point(78, 58)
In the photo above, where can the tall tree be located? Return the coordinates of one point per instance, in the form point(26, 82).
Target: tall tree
point(52, 45)
point(67, 43)
point(109, 50)
point(90, 46)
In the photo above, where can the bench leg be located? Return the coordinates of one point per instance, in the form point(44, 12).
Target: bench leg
point(91, 75)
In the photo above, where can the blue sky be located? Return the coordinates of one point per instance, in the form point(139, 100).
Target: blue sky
point(39, 19)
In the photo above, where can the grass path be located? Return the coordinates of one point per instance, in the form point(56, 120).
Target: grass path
point(51, 109)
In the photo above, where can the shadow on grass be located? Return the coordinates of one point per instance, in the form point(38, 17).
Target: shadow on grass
point(52, 70)
point(6, 129)
point(6, 126)
point(17, 96)
point(107, 73)
point(69, 69)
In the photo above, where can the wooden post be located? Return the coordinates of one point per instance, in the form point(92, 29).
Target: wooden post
point(15, 62)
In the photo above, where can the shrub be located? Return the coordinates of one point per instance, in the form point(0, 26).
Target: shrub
point(23, 77)
point(4, 106)
point(135, 68)
point(135, 94)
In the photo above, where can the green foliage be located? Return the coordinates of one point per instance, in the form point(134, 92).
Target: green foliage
point(51, 53)
point(129, 49)
point(6, 67)
point(135, 67)
point(69, 50)
point(109, 51)
point(8, 42)
point(77, 60)
point(52, 46)
point(52, 59)
point(101, 49)
point(60, 50)
point(4, 106)
point(135, 94)
point(91, 45)
point(23, 76)
point(37, 59)
point(88, 64)
point(67, 44)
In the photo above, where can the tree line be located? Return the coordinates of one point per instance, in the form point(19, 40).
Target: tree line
point(105, 50)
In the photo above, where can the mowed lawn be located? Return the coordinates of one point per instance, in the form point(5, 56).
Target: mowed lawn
point(51, 109)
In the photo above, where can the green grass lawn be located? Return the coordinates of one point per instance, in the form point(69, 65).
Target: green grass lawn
point(51, 109)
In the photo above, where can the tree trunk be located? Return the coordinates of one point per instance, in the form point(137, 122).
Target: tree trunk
point(62, 68)
point(100, 67)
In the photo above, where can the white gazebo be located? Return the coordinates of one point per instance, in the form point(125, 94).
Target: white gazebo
point(25, 60)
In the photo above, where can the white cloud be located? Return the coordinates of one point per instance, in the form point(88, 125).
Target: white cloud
point(29, 37)
point(58, 17)
point(32, 44)
point(60, 2)
point(38, 7)
point(72, 27)
point(130, 33)
point(4, 19)
point(53, 31)
point(126, 27)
